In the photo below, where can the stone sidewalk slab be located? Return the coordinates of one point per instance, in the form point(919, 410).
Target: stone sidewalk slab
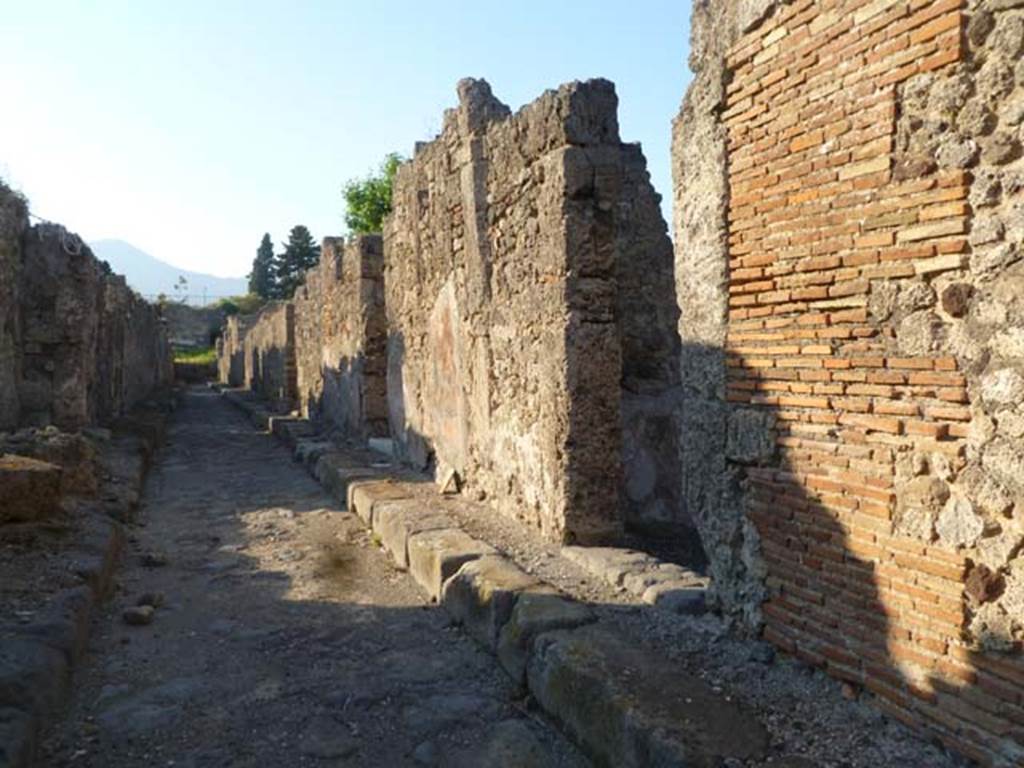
point(630, 709)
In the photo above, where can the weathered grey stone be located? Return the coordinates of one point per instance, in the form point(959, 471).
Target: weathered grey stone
point(1000, 148)
point(362, 495)
point(684, 597)
point(335, 472)
point(637, 582)
point(626, 708)
point(327, 738)
point(436, 555)
point(958, 525)
point(29, 489)
point(513, 744)
point(919, 503)
point(17, 737)
point(957, 153)
point(1003, 386)
point(536, 612)
point(991, 628)
point(395, 521)
point(751, 436)
point(33, 675)
point(610, 564)
point(482, 594)
point(138, 615)
point(919, 333)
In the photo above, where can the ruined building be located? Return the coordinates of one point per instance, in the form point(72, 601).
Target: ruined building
point(77, 346)
point(838, 416)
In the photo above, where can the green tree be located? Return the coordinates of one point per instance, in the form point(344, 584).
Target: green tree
point(368, 200)
point(300, 253)
point(263, 278)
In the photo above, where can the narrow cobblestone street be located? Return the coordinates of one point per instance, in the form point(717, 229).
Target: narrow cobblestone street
point(282, 636)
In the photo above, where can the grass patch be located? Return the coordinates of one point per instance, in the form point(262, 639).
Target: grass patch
point(195, 355)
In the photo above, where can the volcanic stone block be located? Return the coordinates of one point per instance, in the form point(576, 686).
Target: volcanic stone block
point(363, 494)
point(435, 556)
point(29, 489)
point(483, 593)
point(628, 708)
point(536, 612)
point(395, 521)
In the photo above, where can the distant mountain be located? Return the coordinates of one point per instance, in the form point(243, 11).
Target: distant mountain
point(151, 277)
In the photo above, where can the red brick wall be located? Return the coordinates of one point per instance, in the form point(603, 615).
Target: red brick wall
point(817, 216)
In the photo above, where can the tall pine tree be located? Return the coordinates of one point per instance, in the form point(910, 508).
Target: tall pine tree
point(300, 253)
point(263, 278)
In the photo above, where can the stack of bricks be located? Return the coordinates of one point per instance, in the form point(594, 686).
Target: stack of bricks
point(817, 219)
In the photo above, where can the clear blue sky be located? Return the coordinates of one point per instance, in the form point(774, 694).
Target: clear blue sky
point(190, 128)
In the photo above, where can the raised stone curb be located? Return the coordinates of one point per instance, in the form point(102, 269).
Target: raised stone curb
point(481, 596)
point(435, 556)
point(619, 702)
point(395, 520)
point(37, 659)
point(631, 710)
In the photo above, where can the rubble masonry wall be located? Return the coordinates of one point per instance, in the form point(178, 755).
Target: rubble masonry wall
point(77, 347)
point(530, 314)
point(340, 339)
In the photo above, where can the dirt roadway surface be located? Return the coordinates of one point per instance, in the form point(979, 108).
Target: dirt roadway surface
point(284, 638)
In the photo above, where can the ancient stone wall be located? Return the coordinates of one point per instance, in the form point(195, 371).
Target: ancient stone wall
point(192, 326)
point(77, 347)
point(849, 198)
point(340, 339)
point(268, 353)
point(231, 350)
point(519, 248)
point(13, 224)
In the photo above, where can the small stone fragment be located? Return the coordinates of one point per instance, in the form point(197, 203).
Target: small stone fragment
point(153, 560)
point(956, 298)
point(138, 615)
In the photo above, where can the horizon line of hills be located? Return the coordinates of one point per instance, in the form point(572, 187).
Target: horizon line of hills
point(151, 277)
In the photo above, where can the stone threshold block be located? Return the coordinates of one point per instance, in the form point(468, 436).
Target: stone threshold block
point(631, 709)
point(664, 585)
point(29, 489)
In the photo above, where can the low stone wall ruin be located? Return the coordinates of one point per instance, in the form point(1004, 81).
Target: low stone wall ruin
point(77, 346)
point(851, 418)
